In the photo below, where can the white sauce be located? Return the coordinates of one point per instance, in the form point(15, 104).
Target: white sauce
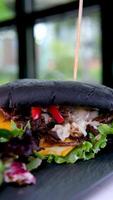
point(63, 131)
point(80, 119)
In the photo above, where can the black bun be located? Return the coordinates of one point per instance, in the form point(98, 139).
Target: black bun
point(29, 92)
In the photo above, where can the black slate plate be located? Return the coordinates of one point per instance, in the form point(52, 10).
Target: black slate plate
point(60, 182)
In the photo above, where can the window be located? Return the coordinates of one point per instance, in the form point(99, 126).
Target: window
point(55, 45)
point(45, 34)
point(8, 55)
point(43, 4)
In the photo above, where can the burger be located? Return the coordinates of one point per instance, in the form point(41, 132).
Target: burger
point(51, 121)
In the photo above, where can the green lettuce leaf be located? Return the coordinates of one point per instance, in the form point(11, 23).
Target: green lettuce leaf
point(5, 135)
point(34, 163)
point(105, 129)
point(1, 172)
point(87, 150)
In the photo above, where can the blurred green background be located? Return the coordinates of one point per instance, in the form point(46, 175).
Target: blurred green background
point(54, 46)
point(6, 9)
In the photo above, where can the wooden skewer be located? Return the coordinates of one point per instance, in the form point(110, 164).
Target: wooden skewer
point(79, 20)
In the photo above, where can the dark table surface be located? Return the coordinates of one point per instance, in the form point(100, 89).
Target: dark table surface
point(58, 182)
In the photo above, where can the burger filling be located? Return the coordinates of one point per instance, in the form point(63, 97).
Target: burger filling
point(61, 134)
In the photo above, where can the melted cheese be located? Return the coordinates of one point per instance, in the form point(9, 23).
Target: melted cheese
point(4, 124)
point(56, 149)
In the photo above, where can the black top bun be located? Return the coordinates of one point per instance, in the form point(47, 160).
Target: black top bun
point(31, 92)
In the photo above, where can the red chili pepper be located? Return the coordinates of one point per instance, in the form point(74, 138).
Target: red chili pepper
point(35, 112)
point(56, 114)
